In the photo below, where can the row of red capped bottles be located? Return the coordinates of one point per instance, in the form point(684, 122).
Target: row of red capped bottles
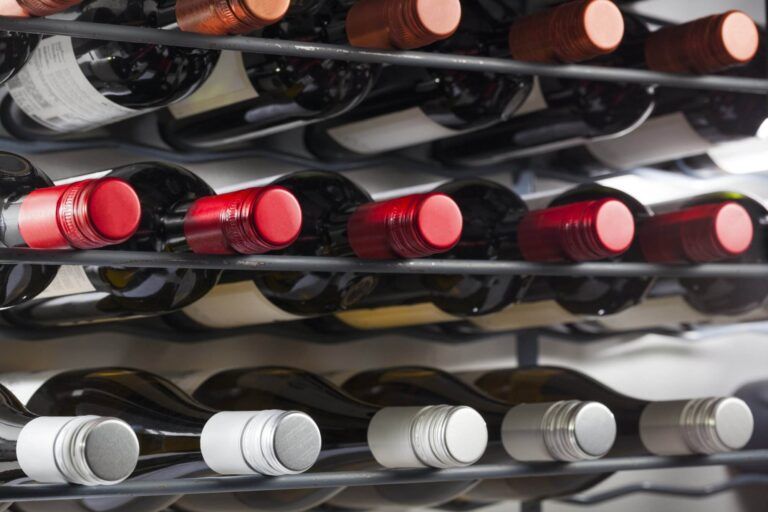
point(377, 418)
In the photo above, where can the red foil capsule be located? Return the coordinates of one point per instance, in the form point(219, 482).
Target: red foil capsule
point(575, 31)
point(250, 221)
point(86, 214)
point(221, 17)
point(706, 45)
point(35, 7)
point(401, 24)
point(700, 234)
point(413, 226)
point(583, 231)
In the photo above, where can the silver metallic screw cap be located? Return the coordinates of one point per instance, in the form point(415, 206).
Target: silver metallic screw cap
point(437, 436)
point(85, 450)
point(699, 426)
point(271, 442)
point(566, 431)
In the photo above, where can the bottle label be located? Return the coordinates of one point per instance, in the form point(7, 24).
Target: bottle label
point(659, 139)
point(524, 316)
point(236, 305)
point(52, 90)
point(395, 316)
point(69, 280)
point(227, 85)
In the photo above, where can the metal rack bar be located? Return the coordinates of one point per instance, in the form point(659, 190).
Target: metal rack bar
point(422, 266)
point(403, 58)
point(37, 492)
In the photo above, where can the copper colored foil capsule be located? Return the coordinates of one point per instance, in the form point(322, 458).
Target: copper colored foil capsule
point(706, 45)
point(221, 17)
point(401, 24)
point(572, 32)
point(37, 7)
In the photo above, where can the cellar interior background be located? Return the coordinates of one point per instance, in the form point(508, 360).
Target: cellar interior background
point(714, 361)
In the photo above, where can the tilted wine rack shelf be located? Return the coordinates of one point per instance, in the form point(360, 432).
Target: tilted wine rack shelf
point(38, 492)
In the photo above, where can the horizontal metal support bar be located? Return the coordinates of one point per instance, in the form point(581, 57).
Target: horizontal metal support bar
point(109, 32)
point(423, 266)
point(37, 492)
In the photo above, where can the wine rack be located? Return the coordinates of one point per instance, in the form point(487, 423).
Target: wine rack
point(526, 347)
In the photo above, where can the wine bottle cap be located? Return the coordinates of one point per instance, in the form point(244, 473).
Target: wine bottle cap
point(401, 24)
point(221, 17)
point(565, 431)
point(693, 427)
point(583, 231)
point(705, 45)
point(575, 31)
point(406, 227)
point(268, 442)
point(87, 214)
point(439, 436)
point(43, 7)
point(84, 450)
point(250, 221)
point(700, 234)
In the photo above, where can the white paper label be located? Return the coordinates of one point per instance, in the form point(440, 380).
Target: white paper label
point(69, 280)
point(236, 305)
point(227, 85)
point(390, 131)
point(525, 316)
point(52, 90)
point(659, 139)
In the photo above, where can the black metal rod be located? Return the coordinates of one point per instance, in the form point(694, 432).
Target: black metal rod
point(37, 492)
point(424, 266)
point(109, 32)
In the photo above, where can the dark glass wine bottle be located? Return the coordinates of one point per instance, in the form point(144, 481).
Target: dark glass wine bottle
point(84, 214)
point(276, 93)
point(106, 81)
point(498, 226)
point(171, 425)
point(690, 122)
point(356, 434)
point(86, 450)
point(84, 295)
point(678, 427)
point(340, 220)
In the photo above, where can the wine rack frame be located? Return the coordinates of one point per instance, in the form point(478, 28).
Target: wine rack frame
point(40, 492)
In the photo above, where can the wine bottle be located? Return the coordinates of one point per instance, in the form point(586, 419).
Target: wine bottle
point(170, 424)
point(597, 113)
point(677, 427)
point(356, 434)
point(689, 122)
point(85, 214)
point(431, 104)
point(108, 81)
point(591, 226)
point(85, 450)
point(340, 221)
point(179, 214)
point(272, 93)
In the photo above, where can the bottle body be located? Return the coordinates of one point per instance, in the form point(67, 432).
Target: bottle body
point(107, 81)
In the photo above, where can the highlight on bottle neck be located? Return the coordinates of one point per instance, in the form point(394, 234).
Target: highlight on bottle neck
point(413, 226)
point(25, 8)
point(435, 436)
point(84, 450)
point(270, 442)
point(700, 234)
point(582, 231)
point(705, 45)
point(575, 31)
point(401, 24)
point(566, 431)
point(251, 221)
point(221, 17)
point(87, 214)
point(696, 427)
